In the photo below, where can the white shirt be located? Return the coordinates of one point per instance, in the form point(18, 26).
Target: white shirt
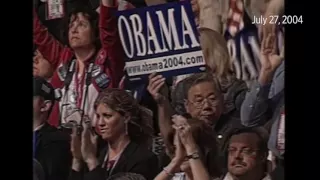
point(229, 177)
point(179, 176)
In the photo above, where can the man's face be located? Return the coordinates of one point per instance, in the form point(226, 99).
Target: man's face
point(41, 66)
point(40, 106)
point(37, 104)
point(243, 154)
point(204, 103)
point(80, 31)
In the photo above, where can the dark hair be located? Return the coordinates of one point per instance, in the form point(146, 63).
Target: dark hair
point(205, 138)
point(180, 93)
point(93, 18)
point(199, 78)
point(140, 124)
point(178, 96)
point(126, 176)
point(51, 107)
point(260, 132)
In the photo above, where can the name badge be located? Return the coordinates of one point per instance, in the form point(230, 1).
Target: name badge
point(55, 9)
point(102, 81)
point(96, 70)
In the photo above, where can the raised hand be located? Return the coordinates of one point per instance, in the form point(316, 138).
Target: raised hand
point(180, 152)
point(270, 59)
point(183, 129)
point(88, 144)
point(108, 3)
point(274, 9)
point(157, 87)
point(75, 144)
point(269, 28)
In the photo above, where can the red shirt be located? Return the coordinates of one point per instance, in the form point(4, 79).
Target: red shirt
point(110, 59)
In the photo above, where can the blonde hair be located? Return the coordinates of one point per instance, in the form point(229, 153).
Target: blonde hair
point(216, 55)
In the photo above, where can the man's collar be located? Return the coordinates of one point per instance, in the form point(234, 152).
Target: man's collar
point(38, 127)
point(229, 177)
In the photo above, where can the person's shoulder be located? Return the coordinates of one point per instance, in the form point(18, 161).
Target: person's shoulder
point(238, 84)
point(235, 88)
point(53, 134)
point(144, 149)
point(143, 152)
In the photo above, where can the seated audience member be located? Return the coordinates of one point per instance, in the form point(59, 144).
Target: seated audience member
point(126, 176)
point(215, 51)
point(51, 147)
point(219, 64)
point(41, 66)
point(38, 173)
point(264, 104)
point(246, 151)
point(202, 100)
point(126, 128)
point(194, 154)
point(231, 90)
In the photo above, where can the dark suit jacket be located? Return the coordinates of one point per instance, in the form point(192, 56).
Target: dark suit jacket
point(38, 173)
point(135, 158)
point(52, 151)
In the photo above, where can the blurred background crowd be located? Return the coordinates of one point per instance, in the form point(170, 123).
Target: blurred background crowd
point(92, 123)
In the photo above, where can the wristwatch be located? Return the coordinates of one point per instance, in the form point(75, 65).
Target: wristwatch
point(194, 155)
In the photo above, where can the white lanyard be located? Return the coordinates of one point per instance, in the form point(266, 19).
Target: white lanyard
point(116, 161)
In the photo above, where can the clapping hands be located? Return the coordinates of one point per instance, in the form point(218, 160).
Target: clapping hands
point(84, 146)
point(183, 131)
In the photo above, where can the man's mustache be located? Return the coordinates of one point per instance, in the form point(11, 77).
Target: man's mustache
point(239, 163)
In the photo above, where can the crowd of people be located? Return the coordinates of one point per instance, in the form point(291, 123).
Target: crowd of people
point(91, 123)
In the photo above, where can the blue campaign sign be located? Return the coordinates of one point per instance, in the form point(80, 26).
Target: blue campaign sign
point(162, 38)
point(244, 49)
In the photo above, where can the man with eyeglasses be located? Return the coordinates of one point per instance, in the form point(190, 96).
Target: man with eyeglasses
point(246, 153)
point(202, 100)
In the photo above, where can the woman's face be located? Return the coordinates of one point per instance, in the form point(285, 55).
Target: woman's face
point(110, 123)
point(80, 31)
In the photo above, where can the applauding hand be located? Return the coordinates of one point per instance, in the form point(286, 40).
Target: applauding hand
point(88, 144)
point(183, 129)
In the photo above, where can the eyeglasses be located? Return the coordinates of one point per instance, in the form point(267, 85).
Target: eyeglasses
point(244, 151)
point(200, 103)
